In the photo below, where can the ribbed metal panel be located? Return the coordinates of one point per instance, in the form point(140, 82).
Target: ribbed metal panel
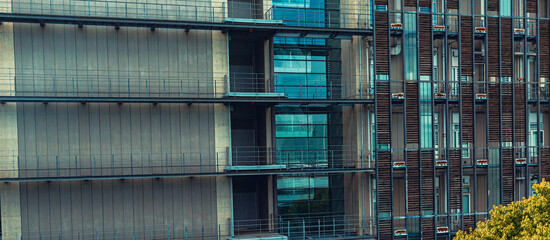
point(467, 116)
point(412, 113)
point(467, 41)
point(382, 43)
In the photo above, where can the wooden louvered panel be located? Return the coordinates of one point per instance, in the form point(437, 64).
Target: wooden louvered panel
point(382, 43)
point(425, 3)
point(494, 48)
point(469, 221)
point(467, 116)
point(412, 113)
point(494, 112)
point(381, 2)
point(413, 181)
point(467, 41)
point(455, 179)
point(520, 112)
point(427, 161)
point(544, 35)
point(428, 228)
point(493, 5)
point(410, 3)
point(507, 113)
point(507, 176)
point(507, 39)
point(383, 112)
point(385, 229)
point(425, 48)
point(545, 163)
point(531, 6)
point(384, 182)
point(452, 4)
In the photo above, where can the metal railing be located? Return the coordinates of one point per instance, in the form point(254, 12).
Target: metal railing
point(304, 15)
point(85, 163)
point(166, 84)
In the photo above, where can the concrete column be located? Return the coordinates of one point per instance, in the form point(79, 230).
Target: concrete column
point(222, 127)
point(10, 205)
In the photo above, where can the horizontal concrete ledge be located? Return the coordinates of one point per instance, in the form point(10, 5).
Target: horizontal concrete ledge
point(149, 23)
point(178, 175)
point(272, 101)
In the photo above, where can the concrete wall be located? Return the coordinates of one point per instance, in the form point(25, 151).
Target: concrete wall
point(101, 207)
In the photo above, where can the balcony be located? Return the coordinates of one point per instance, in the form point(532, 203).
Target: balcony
point(330, 20)
point(163, 163)
point(48, 85)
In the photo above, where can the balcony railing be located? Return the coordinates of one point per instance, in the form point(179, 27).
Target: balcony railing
point(87, 164)
point(165, 84)
point(303, 15)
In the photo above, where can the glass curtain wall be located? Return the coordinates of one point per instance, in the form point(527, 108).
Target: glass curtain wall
point(308, 137)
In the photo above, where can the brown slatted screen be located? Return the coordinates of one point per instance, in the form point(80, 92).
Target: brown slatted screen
point(493, 5)
point(467, 41)
point(452, 4)
point(469, 222)
point(494, 112)
point(412, 113)
point(384, 179)
point(544, 35)
point(531, 6)
point(427, 160)
point(428, 229)
point(467, 116)
point(383, 112)
point(425, 3)
point(413, 182)
point(507, 44)
point(382, 43)
point(519, 112)
point(507, 176)
point(425, 47)
point(386, 229)
point(381, 2)
point(494, 48)
point(507, 112)
point(545, 163)
point(410, 3)
point(455, 180)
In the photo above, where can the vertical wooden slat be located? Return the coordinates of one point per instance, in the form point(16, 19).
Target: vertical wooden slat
point(452, 4)
point(493, 5)
point(520, 112)
point(545, 163)
point(427, 161)
point(531, 6)
point(455, 180)
point(507, 112)
point(467, 41)
point(425, 47)
point(507, 175)
point(410, 3)
point(494, 112)
point(413, 182)
point(412, 113)
point(428, 230)
point(544, 35)
point(493, 46)
point(467, 116)
point(382, 43)
point(507, 44)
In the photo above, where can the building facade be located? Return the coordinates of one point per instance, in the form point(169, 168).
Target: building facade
point(269, 119)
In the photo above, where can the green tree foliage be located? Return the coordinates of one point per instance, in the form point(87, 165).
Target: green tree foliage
point(525, 219)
